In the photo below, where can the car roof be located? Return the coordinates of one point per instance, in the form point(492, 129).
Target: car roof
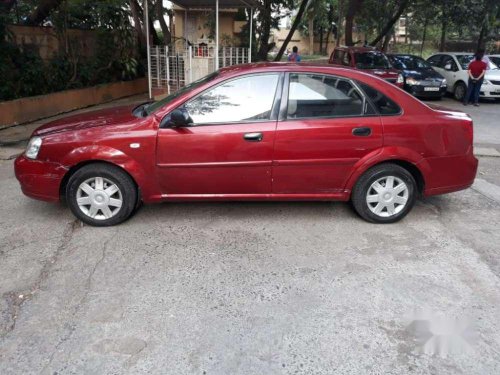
point(403, 54)
point(358, 49)
point(263, 67)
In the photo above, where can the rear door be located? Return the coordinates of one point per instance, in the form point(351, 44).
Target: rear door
point(325, 127)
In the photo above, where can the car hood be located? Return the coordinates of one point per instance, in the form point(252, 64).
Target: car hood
point(421, 73)
point(492, 74)
point(383, 73)
point(103, 117)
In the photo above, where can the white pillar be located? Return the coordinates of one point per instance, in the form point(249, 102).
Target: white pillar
point(251, 30)
point(146, 21)
point(216, 34)
point(185, 28)
point(190, 58)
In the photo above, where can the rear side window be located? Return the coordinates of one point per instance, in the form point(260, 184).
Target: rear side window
point(382, 103)
point(317, 95)
point(434, 60)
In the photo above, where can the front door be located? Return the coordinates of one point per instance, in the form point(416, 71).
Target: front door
point(328, 127)
point(228, 147)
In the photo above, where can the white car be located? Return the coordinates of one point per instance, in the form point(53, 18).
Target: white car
point(495, 59)
point(453, 66)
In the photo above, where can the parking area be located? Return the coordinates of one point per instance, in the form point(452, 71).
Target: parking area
point(256, 288)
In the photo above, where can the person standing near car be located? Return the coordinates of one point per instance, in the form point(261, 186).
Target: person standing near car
point(294, 56)
point(476, 71)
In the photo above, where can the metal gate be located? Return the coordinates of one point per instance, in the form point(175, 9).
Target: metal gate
point(168, 68)
point(173, 68)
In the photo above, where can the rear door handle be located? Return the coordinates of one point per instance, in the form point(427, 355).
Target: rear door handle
point(362, 132)
point(253, 137)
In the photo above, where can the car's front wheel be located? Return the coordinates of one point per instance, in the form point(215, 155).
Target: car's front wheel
point(384, 193)
point(459, 91)
point(101, 194)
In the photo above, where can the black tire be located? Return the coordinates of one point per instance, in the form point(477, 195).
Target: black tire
point(127, 193)
point(361, 189)
point(459, 91)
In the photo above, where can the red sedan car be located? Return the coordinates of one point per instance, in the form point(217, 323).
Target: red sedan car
point(255, 132)
point(369, 60)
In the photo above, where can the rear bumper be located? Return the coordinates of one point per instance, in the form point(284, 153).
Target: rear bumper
point(450, 173)
point(39, 179)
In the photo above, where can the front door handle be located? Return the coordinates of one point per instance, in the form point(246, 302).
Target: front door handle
point(253, 137)
point(362, 132)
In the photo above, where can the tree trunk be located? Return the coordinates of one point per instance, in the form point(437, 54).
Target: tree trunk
point(321, 40)
point(160, 14)
point(339, 23)
point(42, 11)
point(388, 26)
point(295, 24)
point(327, 40)
point(265, 31)
point(154, 34)
point(424, 36)
point(352, 9)
point(386, 42)
point(136, 16)
point(311, 34)
point(444, 24)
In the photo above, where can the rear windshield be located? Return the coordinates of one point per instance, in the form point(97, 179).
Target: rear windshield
point(412, 62)
point(151, 108)
point(371, 60)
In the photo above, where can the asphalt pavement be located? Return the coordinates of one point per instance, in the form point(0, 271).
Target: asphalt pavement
point(256, 288)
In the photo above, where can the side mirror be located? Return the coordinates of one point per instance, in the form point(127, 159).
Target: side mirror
point(179, 118)
point(447, 66)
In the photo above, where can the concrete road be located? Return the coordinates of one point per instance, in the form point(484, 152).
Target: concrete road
point(253, 288)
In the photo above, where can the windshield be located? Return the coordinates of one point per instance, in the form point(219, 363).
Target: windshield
point(160, 103)
point(371, 60)
point(412, 62)
point(465, 60)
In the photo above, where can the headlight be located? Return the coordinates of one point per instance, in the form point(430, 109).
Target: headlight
point(400, 78)
point(443, 83)
point(486, 82)
point(33, 147)
point(412, 81)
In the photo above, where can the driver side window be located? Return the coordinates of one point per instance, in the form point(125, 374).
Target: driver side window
point(243, 99)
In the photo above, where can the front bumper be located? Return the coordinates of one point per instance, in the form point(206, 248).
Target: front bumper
point(39, 179)
point(419, 90)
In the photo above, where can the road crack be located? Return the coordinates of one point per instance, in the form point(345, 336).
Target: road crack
point(70, 328)
point(16, 299)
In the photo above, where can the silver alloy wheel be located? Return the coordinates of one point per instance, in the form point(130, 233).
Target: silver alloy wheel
point(99, 198)
point(387, 196)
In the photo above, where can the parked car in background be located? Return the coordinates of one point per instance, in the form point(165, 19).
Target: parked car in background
point(495, 59)
point(453, 66)
point(419, 77)
point(367, 59)
point(310, 132)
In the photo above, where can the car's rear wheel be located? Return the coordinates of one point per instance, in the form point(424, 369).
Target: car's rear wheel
point(459, 91)
point(384, 193)
point(101, 194)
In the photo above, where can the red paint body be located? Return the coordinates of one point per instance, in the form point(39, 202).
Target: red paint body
point(390, 74)
point(311, 159)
